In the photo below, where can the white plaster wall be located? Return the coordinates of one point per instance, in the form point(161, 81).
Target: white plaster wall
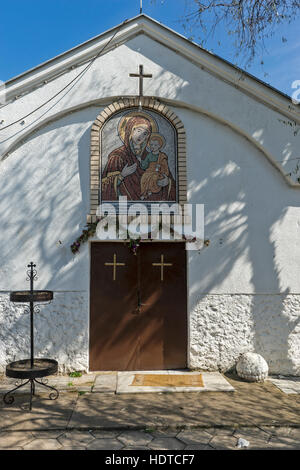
point(60, 331)
point(224, 326)
point(44, 202)
point(43, 205)
point(251, 215)
point(243, 288)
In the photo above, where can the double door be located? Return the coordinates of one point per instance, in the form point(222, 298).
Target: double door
point(138, 306)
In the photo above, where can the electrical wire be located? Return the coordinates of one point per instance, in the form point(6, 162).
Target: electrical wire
point(80, 75)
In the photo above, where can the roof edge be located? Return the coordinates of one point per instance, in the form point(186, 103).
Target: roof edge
point(69, 51)
point(17, 83)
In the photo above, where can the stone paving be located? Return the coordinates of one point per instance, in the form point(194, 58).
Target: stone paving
point(113, 382)
point(89, 415)
point(289, 385)
point(271, 438)
point(121, 382)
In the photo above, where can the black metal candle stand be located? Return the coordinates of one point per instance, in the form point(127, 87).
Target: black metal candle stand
point(33, 368)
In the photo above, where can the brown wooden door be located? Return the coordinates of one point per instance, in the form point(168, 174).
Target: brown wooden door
point(164, 305)
point(138, 308)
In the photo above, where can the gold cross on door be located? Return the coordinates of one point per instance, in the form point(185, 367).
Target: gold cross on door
point(162, 264)
point(114, 264)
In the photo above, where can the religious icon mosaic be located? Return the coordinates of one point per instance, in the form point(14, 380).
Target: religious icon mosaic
point(139, 158)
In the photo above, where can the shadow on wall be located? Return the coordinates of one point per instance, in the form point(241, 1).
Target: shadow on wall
point(237, 185)
point(244, 293)
point(178, 78)
point(240, 297)
point(49, 199)
point(43, 208)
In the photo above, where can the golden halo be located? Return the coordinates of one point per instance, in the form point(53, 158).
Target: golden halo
point(123, 122)
point(157, 136)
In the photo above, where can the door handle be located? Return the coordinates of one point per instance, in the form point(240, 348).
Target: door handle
point(137, 311)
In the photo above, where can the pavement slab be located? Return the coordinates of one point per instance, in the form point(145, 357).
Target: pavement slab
point(261, 413)
point(102, 434)
point(105, 383)
point(108, 411)
point(288, 385)
point(252, 404)
point(105, 444)
point(284, 443)
point(221, 439)
point(294, 433)
point(73, 448)
point(13, 439)
point(132, 438)
point(252, 434)
point(44, 434)
point(43, 444)
point(222, 442)
point(169, 432)
point(194, 437)
point(75, 438)
point(135, 448)
point(199, 447)
point(166, 443)
point(45, 414)
point(277, 430)
point(254, 442)
point(162, 415)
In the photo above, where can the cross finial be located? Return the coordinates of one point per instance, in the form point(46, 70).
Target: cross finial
point(31, 265)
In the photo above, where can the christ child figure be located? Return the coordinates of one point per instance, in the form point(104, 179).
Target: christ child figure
point(155, 165)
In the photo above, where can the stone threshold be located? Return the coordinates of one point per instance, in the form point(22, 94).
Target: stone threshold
point(120, 383)
point(212, 381)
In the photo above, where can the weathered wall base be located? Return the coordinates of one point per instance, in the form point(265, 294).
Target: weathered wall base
point(61, 331)
point(224, 326)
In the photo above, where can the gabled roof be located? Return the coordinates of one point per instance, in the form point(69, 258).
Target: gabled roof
point(143, 24)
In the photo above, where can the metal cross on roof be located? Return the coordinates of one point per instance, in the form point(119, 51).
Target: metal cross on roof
point(141, 76)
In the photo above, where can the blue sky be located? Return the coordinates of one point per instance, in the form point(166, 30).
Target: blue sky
point(33, 31)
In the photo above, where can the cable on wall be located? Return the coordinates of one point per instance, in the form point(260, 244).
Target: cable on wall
point(78, 77)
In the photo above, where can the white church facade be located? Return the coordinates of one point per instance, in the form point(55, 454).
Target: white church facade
point(199, 131)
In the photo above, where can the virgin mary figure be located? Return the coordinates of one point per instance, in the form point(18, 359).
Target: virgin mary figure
point(123, 170)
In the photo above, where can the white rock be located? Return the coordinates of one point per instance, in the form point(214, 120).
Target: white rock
point(252, 367)
point(242, 443)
